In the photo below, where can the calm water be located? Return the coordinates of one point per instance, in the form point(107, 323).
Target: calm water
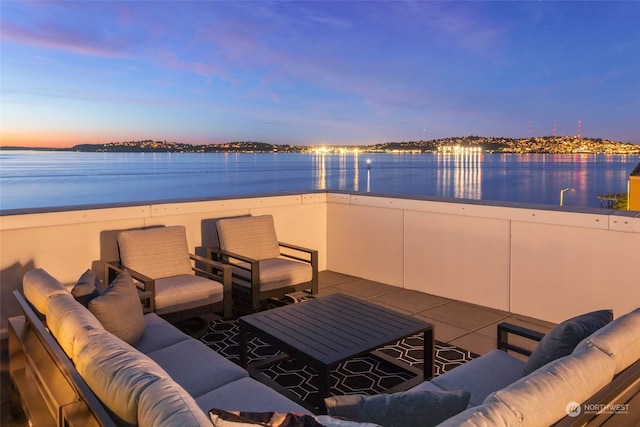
point(31, 179)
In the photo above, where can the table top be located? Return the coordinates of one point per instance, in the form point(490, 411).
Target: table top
point(334, 328)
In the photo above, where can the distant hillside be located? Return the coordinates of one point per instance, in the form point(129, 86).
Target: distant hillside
point(176, 147)
point(547, 144)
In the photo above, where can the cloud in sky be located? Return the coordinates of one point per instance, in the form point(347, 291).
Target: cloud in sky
point(342, 72)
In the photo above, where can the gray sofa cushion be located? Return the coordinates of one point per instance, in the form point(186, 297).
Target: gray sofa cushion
point(119, 309)
point(206, 370)
point(158, 333)
point(67, 319)
point(248, 395)
point(620, 339)
point(494, 414)
point(165, 403)
point(541, 398)
point(115, 371)
point(420, 408)
point(482, 376)
point(563, 339)
point(38, 286)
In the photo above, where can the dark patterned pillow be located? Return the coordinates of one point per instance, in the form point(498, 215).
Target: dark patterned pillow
point(87, 288)
point(221, 418)
point(420, 408)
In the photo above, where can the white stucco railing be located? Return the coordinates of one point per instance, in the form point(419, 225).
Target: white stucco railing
point(545, 262)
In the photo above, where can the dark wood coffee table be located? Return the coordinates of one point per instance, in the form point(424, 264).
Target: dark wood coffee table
point(326, 331)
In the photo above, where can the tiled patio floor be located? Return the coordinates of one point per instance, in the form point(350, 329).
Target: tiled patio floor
point(465, 325)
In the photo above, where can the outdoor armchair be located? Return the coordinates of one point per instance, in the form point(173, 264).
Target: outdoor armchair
point(170, 281)
point(263, 267)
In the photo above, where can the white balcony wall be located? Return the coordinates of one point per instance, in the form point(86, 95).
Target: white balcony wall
point(365, 240)
point(545, 263)
point(559, 270)
point(67, 243)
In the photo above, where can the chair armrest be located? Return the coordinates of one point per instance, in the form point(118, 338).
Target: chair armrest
point(252, 266)
point(113, 268)
point(223, 275)
point(313, 254)
point(211, 264)
point(296, 247)
point(221, 254)
point(504, 329)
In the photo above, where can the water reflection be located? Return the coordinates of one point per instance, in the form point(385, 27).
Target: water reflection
point(44, 179)
point(321, 170)
point(356, 171)
point(334, 170)
point(460, 174)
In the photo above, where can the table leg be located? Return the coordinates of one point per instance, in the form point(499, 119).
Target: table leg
point(244, 343)
point(429, 353)
point(324, 378)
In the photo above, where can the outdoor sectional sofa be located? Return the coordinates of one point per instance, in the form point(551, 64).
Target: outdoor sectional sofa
point(165, 378)
point(68, 370)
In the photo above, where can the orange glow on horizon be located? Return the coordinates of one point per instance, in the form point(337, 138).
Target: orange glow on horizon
point(50, 140)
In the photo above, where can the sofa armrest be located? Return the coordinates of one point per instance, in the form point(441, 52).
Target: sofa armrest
point(505, 329)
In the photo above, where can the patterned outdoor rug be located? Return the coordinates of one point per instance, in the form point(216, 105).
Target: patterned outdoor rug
point(364, 375)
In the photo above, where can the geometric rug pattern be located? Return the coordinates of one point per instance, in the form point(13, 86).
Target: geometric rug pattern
point(361, 375)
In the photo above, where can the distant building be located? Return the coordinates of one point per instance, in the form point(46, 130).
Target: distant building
point(634, 189)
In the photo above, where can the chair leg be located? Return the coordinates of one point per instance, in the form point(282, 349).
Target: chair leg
point(255, 304)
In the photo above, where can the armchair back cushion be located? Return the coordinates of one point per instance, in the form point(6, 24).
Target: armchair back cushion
point(250, 236)
point(156, 252)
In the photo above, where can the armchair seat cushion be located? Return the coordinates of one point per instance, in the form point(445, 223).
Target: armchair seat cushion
point(186, 291)
point(276, 273)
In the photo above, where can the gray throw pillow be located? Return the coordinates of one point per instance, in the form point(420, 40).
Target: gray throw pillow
point(408, 409)
point(563, 339)
point(87, 288)
point(119, 309)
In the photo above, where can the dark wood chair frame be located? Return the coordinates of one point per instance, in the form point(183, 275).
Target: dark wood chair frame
point(214, 270)
point(291, 251)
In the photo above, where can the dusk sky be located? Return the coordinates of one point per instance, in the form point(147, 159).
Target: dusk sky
point(330, 72)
